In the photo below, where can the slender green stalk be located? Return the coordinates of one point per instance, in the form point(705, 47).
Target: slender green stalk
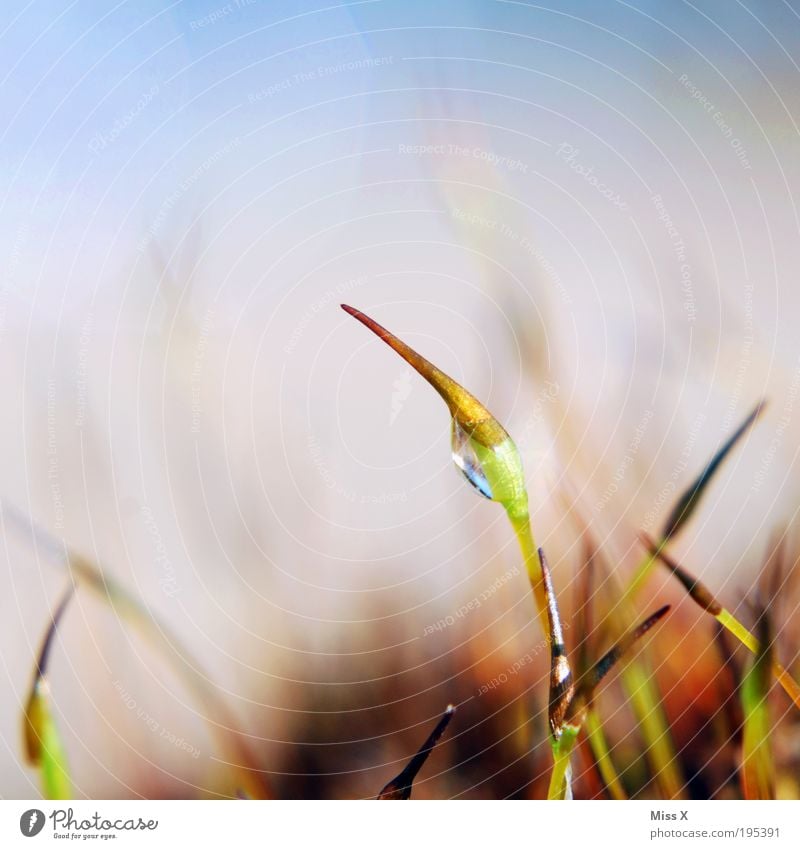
point(532, 563)
point(561, 776)
point(488, 458)
point(602, 754)
point(646, 702)
point(758, 769)
point(570, 701)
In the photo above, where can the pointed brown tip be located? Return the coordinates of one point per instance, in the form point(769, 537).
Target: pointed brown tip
point(662, 611)
point(698, 591)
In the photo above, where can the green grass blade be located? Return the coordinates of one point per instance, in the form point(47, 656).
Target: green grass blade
point(758, 769)
point(598, 743)
point(400, 786)
point(561, 777)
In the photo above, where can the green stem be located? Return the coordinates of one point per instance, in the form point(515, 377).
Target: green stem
point(729, 621)
point(602, 754)
point(521, 522)
point(647, 706)
point(560, 778)
point(640, 575)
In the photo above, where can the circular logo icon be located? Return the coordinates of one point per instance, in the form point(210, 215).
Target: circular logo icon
point(31, 822)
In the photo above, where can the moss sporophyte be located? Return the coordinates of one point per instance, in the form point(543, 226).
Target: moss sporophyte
point(490, 461)
point(482, 450)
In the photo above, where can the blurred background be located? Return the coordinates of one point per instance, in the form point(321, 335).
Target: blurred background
point(582, 211)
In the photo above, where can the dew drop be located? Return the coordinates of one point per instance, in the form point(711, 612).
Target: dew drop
point(465, 458)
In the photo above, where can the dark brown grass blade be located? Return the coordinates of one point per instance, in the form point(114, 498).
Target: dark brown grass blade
point(586, 686)
point(400, 786)
point(688, 502)
point(610, 658)
point(584, 619)
point(732, 672)
point(561, 683)
point(33, 736)
point(697, 591)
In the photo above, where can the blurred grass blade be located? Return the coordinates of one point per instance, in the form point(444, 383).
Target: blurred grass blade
point(569, 703)
point(482, 450)
point(43, 747)
point(642, 692)
point(400, 786)
point(687, 503)
point(584, 621)
point(613, 655)
point(702, 596)
point(758, 770)
point(584, 626)
point(250, 778)
point(598, 743)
